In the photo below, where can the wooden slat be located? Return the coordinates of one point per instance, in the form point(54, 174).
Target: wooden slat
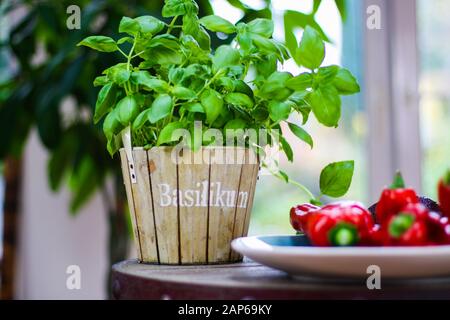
point(193, 213)
point(163, 179)
point(224, 185)
point(127, 182)
point(144, 208)
point(245, 198)
point(255, 171)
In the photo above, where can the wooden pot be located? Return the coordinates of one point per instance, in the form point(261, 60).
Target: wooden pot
point(186, 207)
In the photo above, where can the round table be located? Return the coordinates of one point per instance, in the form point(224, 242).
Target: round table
point(249, 280)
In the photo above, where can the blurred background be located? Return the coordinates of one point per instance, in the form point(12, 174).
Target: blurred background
point(62, 197)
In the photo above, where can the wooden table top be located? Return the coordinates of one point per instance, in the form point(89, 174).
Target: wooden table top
point(249, 280)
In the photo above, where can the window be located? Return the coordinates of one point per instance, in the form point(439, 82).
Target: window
point(434, 77)
point(274, 198)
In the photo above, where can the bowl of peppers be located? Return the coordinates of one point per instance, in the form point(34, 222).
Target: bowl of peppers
point(399, 218)
point(404, 234)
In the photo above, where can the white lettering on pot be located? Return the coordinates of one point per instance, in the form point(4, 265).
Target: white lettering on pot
point(218, 196)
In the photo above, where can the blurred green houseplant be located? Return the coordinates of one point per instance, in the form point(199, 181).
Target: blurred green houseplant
point(32, 92)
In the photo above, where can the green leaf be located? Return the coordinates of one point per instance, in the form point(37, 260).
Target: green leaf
point(127, 109)
point(129, 25)
point(283, 175)
point(235, 124)
point(336, 178)
point(100, 81)
point(244, 39)
point(105, 100)
point(111, 125)
point(300, 82)
point(217, 24)
point(266, 45)
point(183, 93)
point(345, 82)
point(326, 105)
point(263, 27)
point(149, 82)
point(225, 57)
point(125, 39)
point(149, 24)
point(141, 119)
point(173, 8)
point(212, 103)
point(311, 51)
point(194, 107)
point(287, 149)
point(301, 134)
point(166, 135)
point(99, 43)
point(275, 86)
point(239, 99)
point(118, 73)
point(279, 111)
point(161, 108)
point(325, 75)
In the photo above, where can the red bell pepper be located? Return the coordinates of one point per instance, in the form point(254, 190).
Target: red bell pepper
point(340, 224)
point(299, 216)
point(394, 199)
point(444, 194)
point(409, 226)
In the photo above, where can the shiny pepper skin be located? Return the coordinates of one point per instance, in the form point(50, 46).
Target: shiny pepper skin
point(299, 215)
point(409, 226)
point(393, 200)
point(340, 224)
point(444, 194)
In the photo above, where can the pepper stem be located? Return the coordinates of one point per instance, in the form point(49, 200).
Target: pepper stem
point(400, 224)
point(446, 178)
point(343, 234)
point(398, 182)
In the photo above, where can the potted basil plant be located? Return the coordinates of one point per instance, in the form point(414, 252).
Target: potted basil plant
point(187, 203)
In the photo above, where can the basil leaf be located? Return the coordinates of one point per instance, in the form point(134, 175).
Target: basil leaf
point(166, 135)
point(111, 125)
point(217, 24)
point(245, 40)
point(345, 82)
point(194, 107)
point(99, 43)
point(105, 100)
point(212, 104)
point(224, 57)
point(279, 110)
point(183, 93)
point(173, 8)
point(311, 51)
point(149, 24)
point(161, 108)
point(235, 124)
point(300, 82)
point(127, 109)
point(325, 75)
point(265, 45)
point(336, 178)
point(263, 27)
point(130, 26)
point(275, 86)
point(118, 73)
point(100, 81)
point(239, 99)
point(301, 134)
point(326, 105)
point(149, 82)
point(141, 119)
